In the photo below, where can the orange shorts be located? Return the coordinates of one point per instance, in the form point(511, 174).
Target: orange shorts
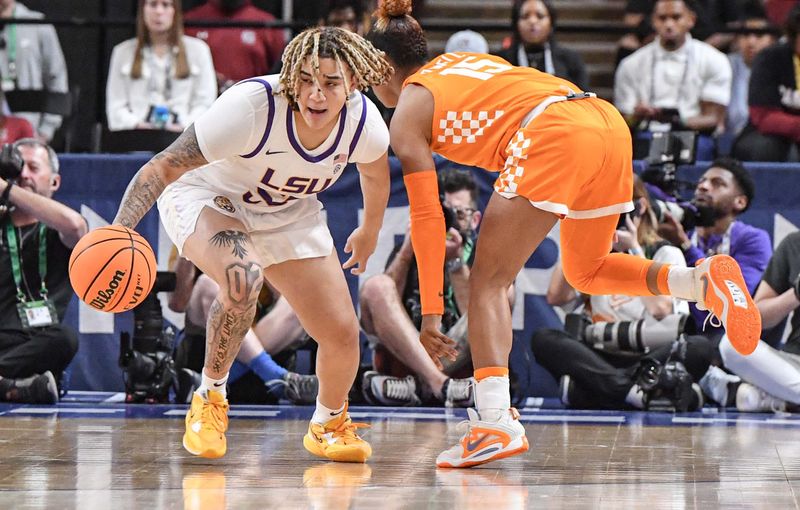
point(574, 160)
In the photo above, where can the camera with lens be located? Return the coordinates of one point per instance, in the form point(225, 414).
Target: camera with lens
point(667, 386)
point(11, 162)
point(631, 337)
point(667, 151)
point(146, 358)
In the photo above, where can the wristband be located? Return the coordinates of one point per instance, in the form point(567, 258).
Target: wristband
point(6, 193)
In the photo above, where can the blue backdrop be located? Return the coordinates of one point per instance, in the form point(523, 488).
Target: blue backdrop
point(94, 184)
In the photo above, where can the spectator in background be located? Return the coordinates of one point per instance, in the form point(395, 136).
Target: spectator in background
point(726, 190)
point(757, 34)
point(31, 59)
point(466, 41)
point(774, 129)
point(712, 17)
point(533, 44)
point(345, 14)
point(770, 378)
point(13, 128)
point(391, 312)
point(675, 82)
point(238, 53)
point(161, 79)
point(35, 347)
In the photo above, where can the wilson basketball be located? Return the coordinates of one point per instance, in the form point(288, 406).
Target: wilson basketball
point(112, 269)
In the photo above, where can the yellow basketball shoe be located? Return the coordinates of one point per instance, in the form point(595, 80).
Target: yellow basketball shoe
point(337, 440)
point(206, 423)
point(725, 295)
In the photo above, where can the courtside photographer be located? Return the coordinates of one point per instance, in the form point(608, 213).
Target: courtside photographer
point(38, 234)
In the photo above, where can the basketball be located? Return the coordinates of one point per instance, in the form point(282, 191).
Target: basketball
point(112, 269)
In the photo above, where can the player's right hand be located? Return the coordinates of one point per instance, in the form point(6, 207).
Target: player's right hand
point(436, 343)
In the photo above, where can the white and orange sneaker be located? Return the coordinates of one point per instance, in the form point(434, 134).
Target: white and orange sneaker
point(337, 440)
point(485, 441)
point(206, 423)
point(724, 294)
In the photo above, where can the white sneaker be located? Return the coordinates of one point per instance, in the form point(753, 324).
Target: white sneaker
point(716, 383)
point(460, 392)
point(750, 399)
point(485, 441)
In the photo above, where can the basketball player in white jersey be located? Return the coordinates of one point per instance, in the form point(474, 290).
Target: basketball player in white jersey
point(237, 195)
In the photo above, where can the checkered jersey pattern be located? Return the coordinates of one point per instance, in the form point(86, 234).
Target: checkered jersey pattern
point(517, 151)
point(465, 127)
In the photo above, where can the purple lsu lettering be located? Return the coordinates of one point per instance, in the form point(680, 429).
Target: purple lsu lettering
point(294, 184)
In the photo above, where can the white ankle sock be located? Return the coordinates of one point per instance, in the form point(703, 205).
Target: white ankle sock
point(492, 397)
point(323, 415)
point(218, 385)
point(682, 284)
point(635, 397)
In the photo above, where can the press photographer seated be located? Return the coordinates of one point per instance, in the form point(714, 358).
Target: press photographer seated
point(38, 234)
point(624, 354)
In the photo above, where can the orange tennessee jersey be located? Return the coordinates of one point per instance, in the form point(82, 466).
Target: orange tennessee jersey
point(479, 103)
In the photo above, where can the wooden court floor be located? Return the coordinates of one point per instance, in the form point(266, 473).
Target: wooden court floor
point(84, 458)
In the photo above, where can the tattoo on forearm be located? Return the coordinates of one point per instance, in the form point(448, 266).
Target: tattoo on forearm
point(184, 152)
point(226, 329)
point(142, 193)
point(244, 281)
point(233, 238)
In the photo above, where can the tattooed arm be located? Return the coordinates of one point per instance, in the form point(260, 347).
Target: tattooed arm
point(164, 168)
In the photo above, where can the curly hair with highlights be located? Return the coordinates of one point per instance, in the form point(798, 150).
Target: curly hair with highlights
point(368, 64)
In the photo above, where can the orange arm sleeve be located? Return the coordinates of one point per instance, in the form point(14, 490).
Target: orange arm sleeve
point(427, 237)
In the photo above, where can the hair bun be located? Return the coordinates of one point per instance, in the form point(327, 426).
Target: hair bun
point(394, 8)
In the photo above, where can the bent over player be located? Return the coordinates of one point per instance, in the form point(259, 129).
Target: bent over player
point(562, 154)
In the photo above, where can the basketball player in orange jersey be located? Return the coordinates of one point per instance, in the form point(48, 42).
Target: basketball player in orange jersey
point(562, 154)
point(237, 195)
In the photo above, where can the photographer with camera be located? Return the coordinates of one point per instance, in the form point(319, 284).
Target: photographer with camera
point(391, 312)
point(726, 190)
point(675, 82)
point(619, 351)
point(38, 234)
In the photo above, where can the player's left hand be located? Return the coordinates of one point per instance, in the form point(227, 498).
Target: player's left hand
point(436, 343)
point(361, 244)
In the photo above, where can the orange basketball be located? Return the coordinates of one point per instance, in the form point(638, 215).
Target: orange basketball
point(112, 268)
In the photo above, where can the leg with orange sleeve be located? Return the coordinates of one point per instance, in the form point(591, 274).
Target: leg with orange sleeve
point(510, 231)
point(716, 284)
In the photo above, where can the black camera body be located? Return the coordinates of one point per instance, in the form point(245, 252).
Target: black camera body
point(11, 163)
point(667, 151)
point(146, 358)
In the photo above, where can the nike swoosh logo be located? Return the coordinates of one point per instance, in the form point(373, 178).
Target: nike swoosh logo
point(473, 445)
point(270, 153)
point(219, 384)
point(336, 414)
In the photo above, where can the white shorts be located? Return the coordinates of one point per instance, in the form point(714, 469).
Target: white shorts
point(296, 232)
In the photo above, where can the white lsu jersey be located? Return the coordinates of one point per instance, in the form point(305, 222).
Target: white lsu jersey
point(257, 159)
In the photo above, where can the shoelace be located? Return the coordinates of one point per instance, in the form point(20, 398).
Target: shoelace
point(398, 389)
point(302, 385)
point(459, 390)
point(710, 318)
point(213, 416)
point(346, 431)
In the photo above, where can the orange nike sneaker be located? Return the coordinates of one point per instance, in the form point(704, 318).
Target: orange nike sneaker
point(206, 423)
point(485, 441)
point(724, 294)
point(337, 440)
